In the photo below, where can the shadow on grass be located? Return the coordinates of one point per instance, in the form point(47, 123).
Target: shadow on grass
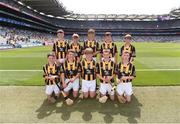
point(131, 110)
point(88, 106)
point(45, 109)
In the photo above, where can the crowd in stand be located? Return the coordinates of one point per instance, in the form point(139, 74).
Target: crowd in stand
point(12, 35)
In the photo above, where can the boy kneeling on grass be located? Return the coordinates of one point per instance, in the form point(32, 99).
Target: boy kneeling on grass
point(88, 75)
point(125, 75)
point(51, 76)
point(106, 73)
point(70, 70)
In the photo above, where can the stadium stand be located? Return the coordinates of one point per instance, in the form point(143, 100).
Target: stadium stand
point(12, 37)
point(33, 18)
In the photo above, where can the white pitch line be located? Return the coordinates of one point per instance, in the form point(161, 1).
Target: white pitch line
point(136, 70)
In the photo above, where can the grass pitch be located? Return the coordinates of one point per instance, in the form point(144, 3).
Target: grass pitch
point(28, 104)
point(156, 64)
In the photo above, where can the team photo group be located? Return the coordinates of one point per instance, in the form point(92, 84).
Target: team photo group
point(74, 69)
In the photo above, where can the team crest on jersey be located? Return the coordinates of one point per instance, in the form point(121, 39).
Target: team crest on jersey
point(61, 49)
point(123, 74)
point(88, 71)
point(71, 72)
point(106, 73)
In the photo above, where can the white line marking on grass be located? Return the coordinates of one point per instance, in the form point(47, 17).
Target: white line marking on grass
point(165, 69)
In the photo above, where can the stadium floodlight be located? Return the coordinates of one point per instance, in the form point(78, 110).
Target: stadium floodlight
point(35, 10)
point(28, 7)
point(126, 19)
point(41, 13)
point(20, 2)
point(50, 16)
point(70, 18)
point(136, 19)
point(59, 17)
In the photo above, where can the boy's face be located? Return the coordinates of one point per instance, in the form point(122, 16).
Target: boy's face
point(108, 38)
point(75, 39)
point(91, 35)
point(51, 59)
point(70, 55)
point(60, 35)
point(126, 56)
point(127, 39)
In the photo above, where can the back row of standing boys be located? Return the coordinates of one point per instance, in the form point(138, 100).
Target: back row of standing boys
point(70, 62)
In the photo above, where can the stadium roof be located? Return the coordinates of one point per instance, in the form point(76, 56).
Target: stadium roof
point(55, 9)
point(175, 13)
point(48, 7)
point(115, 17)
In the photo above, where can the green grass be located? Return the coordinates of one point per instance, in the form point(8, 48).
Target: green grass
point(149, 56)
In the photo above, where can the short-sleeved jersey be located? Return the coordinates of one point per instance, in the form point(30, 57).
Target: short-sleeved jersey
point(128, 70)
point(60, 48)
point(70, 69)
point(111, 46)
point(89, 69)
point(105, 69)
point(92, 44)
point(51, 70)
point(130, 49)
point(77, 48)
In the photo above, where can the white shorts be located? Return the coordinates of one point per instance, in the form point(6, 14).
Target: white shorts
point(112, 59)
point(124, 88)
point(72, 85)
point(88, 85)
point(61, 60)
point(104, 88)
point(51, 88)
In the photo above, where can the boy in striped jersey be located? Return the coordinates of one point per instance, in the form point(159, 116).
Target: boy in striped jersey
point(51, 76)
point(60, 47)
point(106, 73)
point(125, 75)
point(70, 72)
point(88, 75)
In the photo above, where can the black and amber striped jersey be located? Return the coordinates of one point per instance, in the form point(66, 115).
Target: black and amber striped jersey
point(106, 69)
point(60, 48)
point(123, 70)
point(92, 44)
point(130, 49)
point(77, 48)
point(51, 70)
point(111, 46)
point(70, 69)
point(88, 69)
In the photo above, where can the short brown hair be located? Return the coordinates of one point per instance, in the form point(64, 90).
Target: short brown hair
point(91, 31)
point(50, 54)
point(70, 51)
